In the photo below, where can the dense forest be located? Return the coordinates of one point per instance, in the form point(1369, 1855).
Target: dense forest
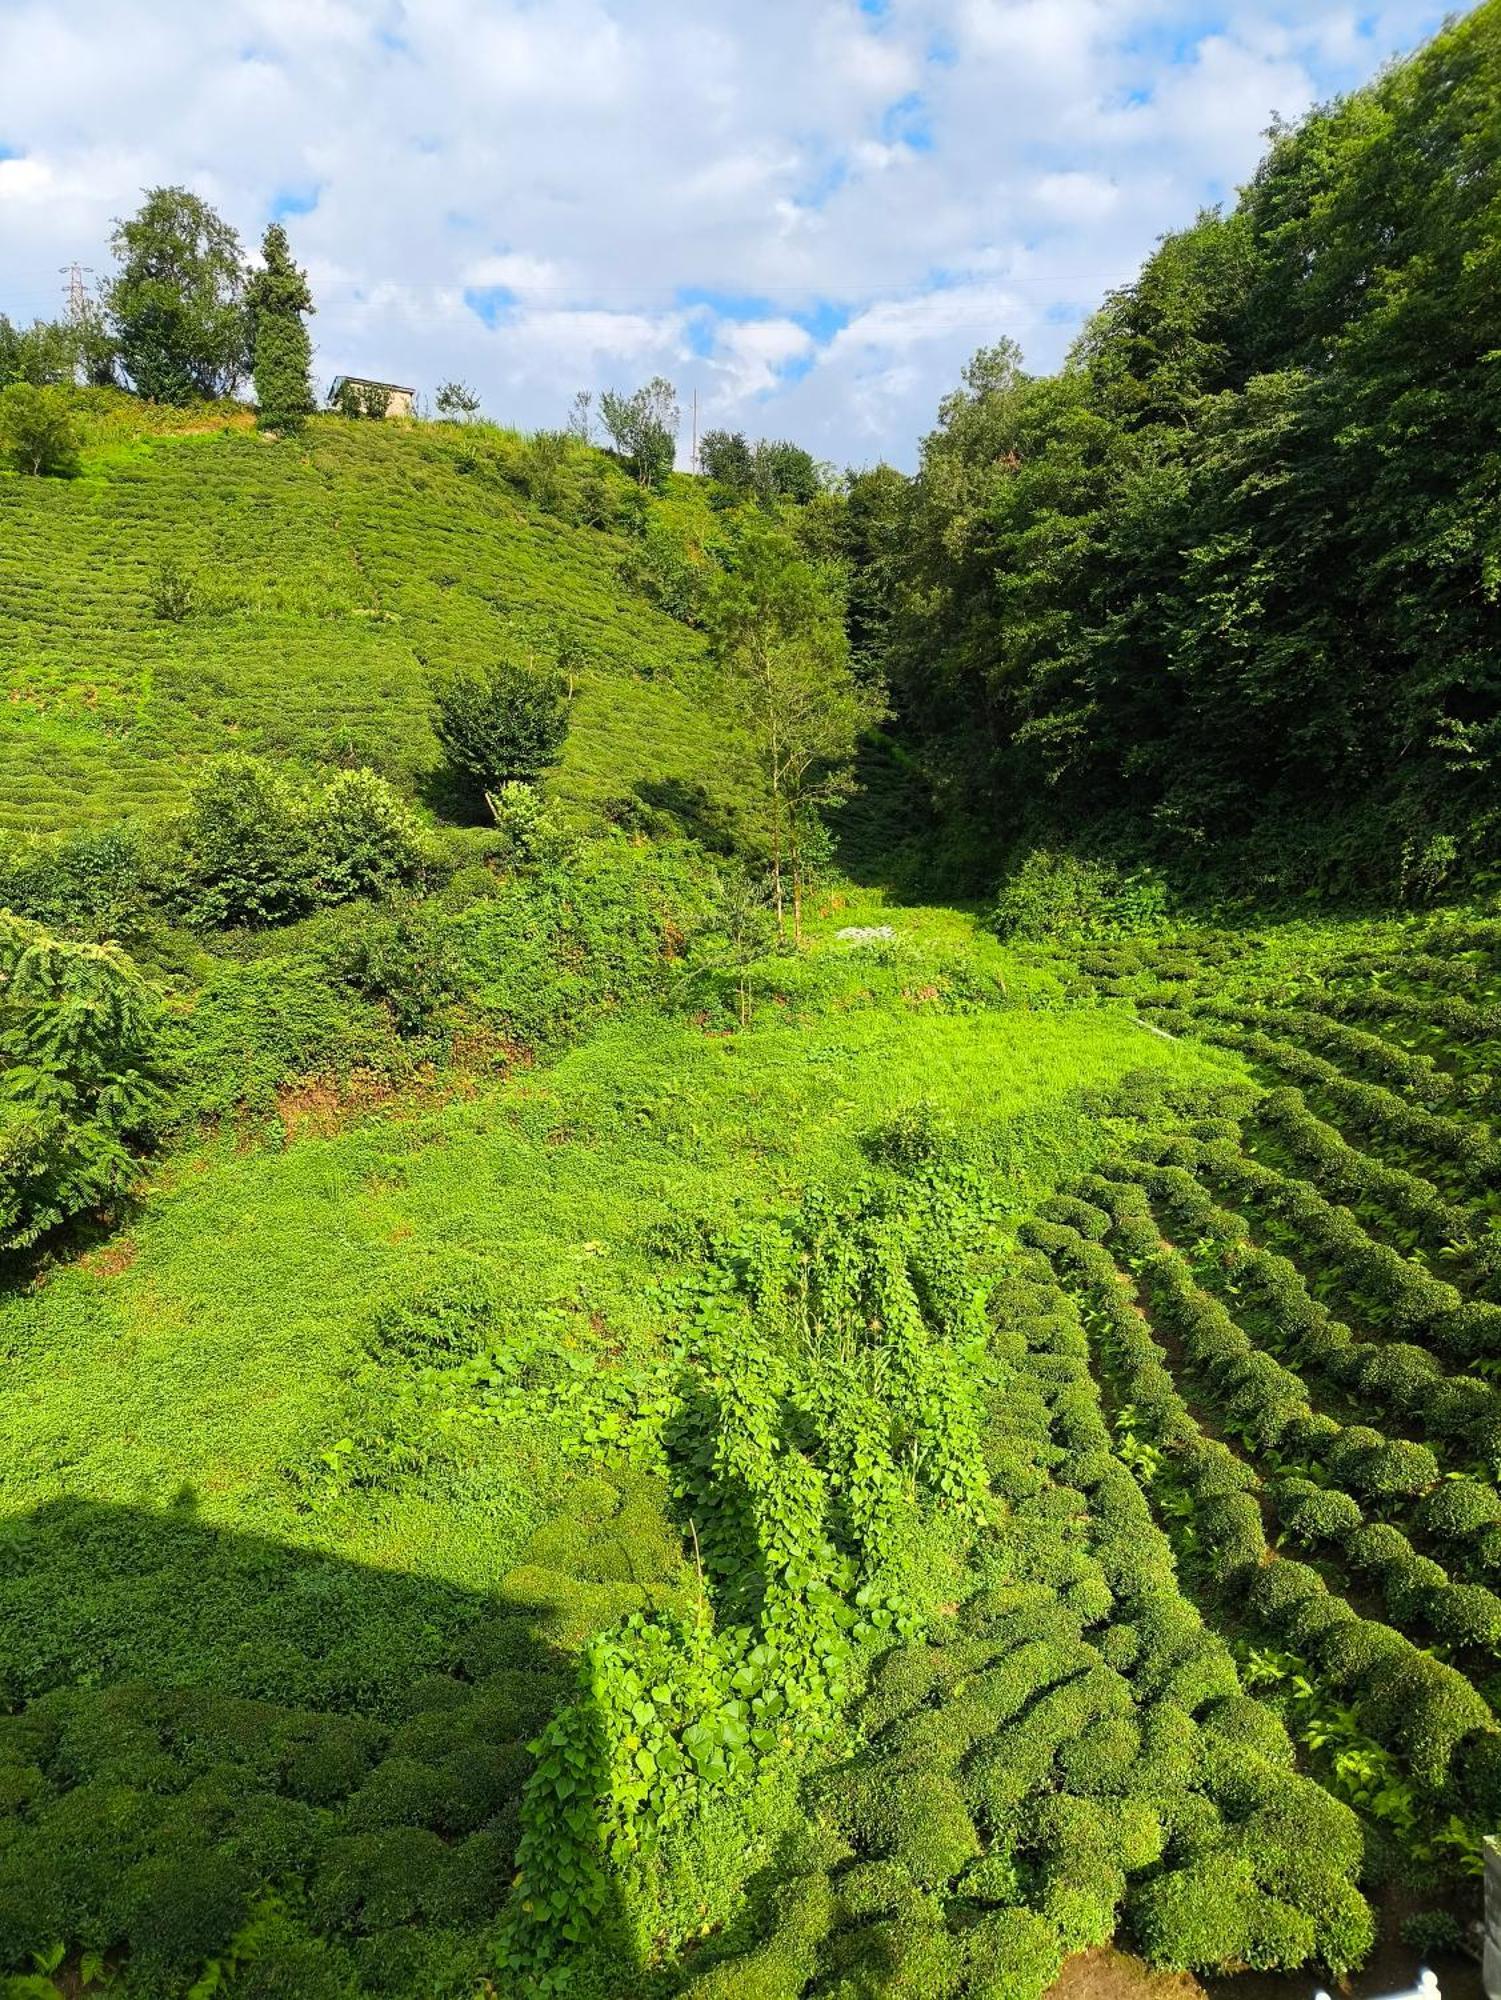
point(749, 1216)
point(1224, 592)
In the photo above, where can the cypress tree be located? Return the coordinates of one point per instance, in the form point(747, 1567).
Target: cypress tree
point(278, 299)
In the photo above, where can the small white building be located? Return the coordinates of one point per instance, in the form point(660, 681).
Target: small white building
point(368, 393)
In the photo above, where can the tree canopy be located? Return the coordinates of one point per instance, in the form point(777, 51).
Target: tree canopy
point(776, 622)
point(177, 304)
point(644, 428)
point(1227, 584)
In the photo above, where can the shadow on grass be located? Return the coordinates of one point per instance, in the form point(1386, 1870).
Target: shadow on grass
point(219, 1748)
point(453, 797)
point(693, 810)
point(891, 833)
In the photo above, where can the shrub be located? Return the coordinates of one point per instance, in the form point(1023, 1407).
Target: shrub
point(96, 884)
point(445, 1317)
point(1384, 1468)
point(256, 849)
point(780, 1968)
point(36, 430)
point(365, 841)
point(1430, 1931)
point(502, 726)
point(174, 591)
point(1212, 1914)
point(1066, 897)
point(81, 1056)
point(1251, 1725)
point(1457, 1508)
point(920, 1137)
point(550, 953)
point(1466, 1615)
point(876, 1889)
point(1311, 1513)
point(521, 817)
point(1196, 1917)
point(916, 1818)
point(405, 962)
point(661, 565)
point(1012, 1955)
point(1083, 1879)
point(247, 844)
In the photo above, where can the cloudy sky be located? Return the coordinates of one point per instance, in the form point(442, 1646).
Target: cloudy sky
point(811, 211)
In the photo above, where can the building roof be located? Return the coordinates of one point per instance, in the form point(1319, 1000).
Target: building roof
point(370, 382)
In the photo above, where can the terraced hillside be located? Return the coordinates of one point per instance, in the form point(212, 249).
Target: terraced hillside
point(593, 1450)
point(1295, 1292)
point(1250, 1356)
point(355, 1480)
point(332, 586)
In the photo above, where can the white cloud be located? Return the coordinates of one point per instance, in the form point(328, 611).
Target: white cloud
point(515, 271)
point(25, 180)
point(810, 212)
point(1076, 197)
point(751, 355)
point(896, 325)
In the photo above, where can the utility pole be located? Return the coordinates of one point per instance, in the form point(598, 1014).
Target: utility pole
point(694, 461)
point(77, 291)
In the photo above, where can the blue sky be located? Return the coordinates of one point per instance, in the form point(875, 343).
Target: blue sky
point(810, 212)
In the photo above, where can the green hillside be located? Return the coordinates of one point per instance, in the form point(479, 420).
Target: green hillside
point(602, 1403)
point(334, 585)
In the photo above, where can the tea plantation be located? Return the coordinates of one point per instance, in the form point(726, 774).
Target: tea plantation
point(634, 1370)
point(328, 588)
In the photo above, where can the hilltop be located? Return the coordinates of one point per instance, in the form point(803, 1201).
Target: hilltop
point(332, 585)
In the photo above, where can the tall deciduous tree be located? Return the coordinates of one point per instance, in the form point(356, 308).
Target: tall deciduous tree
point(1225, 590)
point(775, 623)
point(42, 354)
point(644, 426)
point(277, 303)
point(177, 305)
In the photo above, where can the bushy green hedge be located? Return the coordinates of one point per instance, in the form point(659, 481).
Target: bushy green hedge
point(253, 847)
point(554, 951)
point(1069, 898)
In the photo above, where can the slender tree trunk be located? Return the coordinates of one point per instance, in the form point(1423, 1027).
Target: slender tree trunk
point(776, 820)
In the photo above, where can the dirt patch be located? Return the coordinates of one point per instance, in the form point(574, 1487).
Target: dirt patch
point(110, 1261)
point(483, 1050)
point(1108, 1974)
point(317, 1109)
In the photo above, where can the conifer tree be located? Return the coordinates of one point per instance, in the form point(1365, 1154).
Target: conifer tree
point(278, 300)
